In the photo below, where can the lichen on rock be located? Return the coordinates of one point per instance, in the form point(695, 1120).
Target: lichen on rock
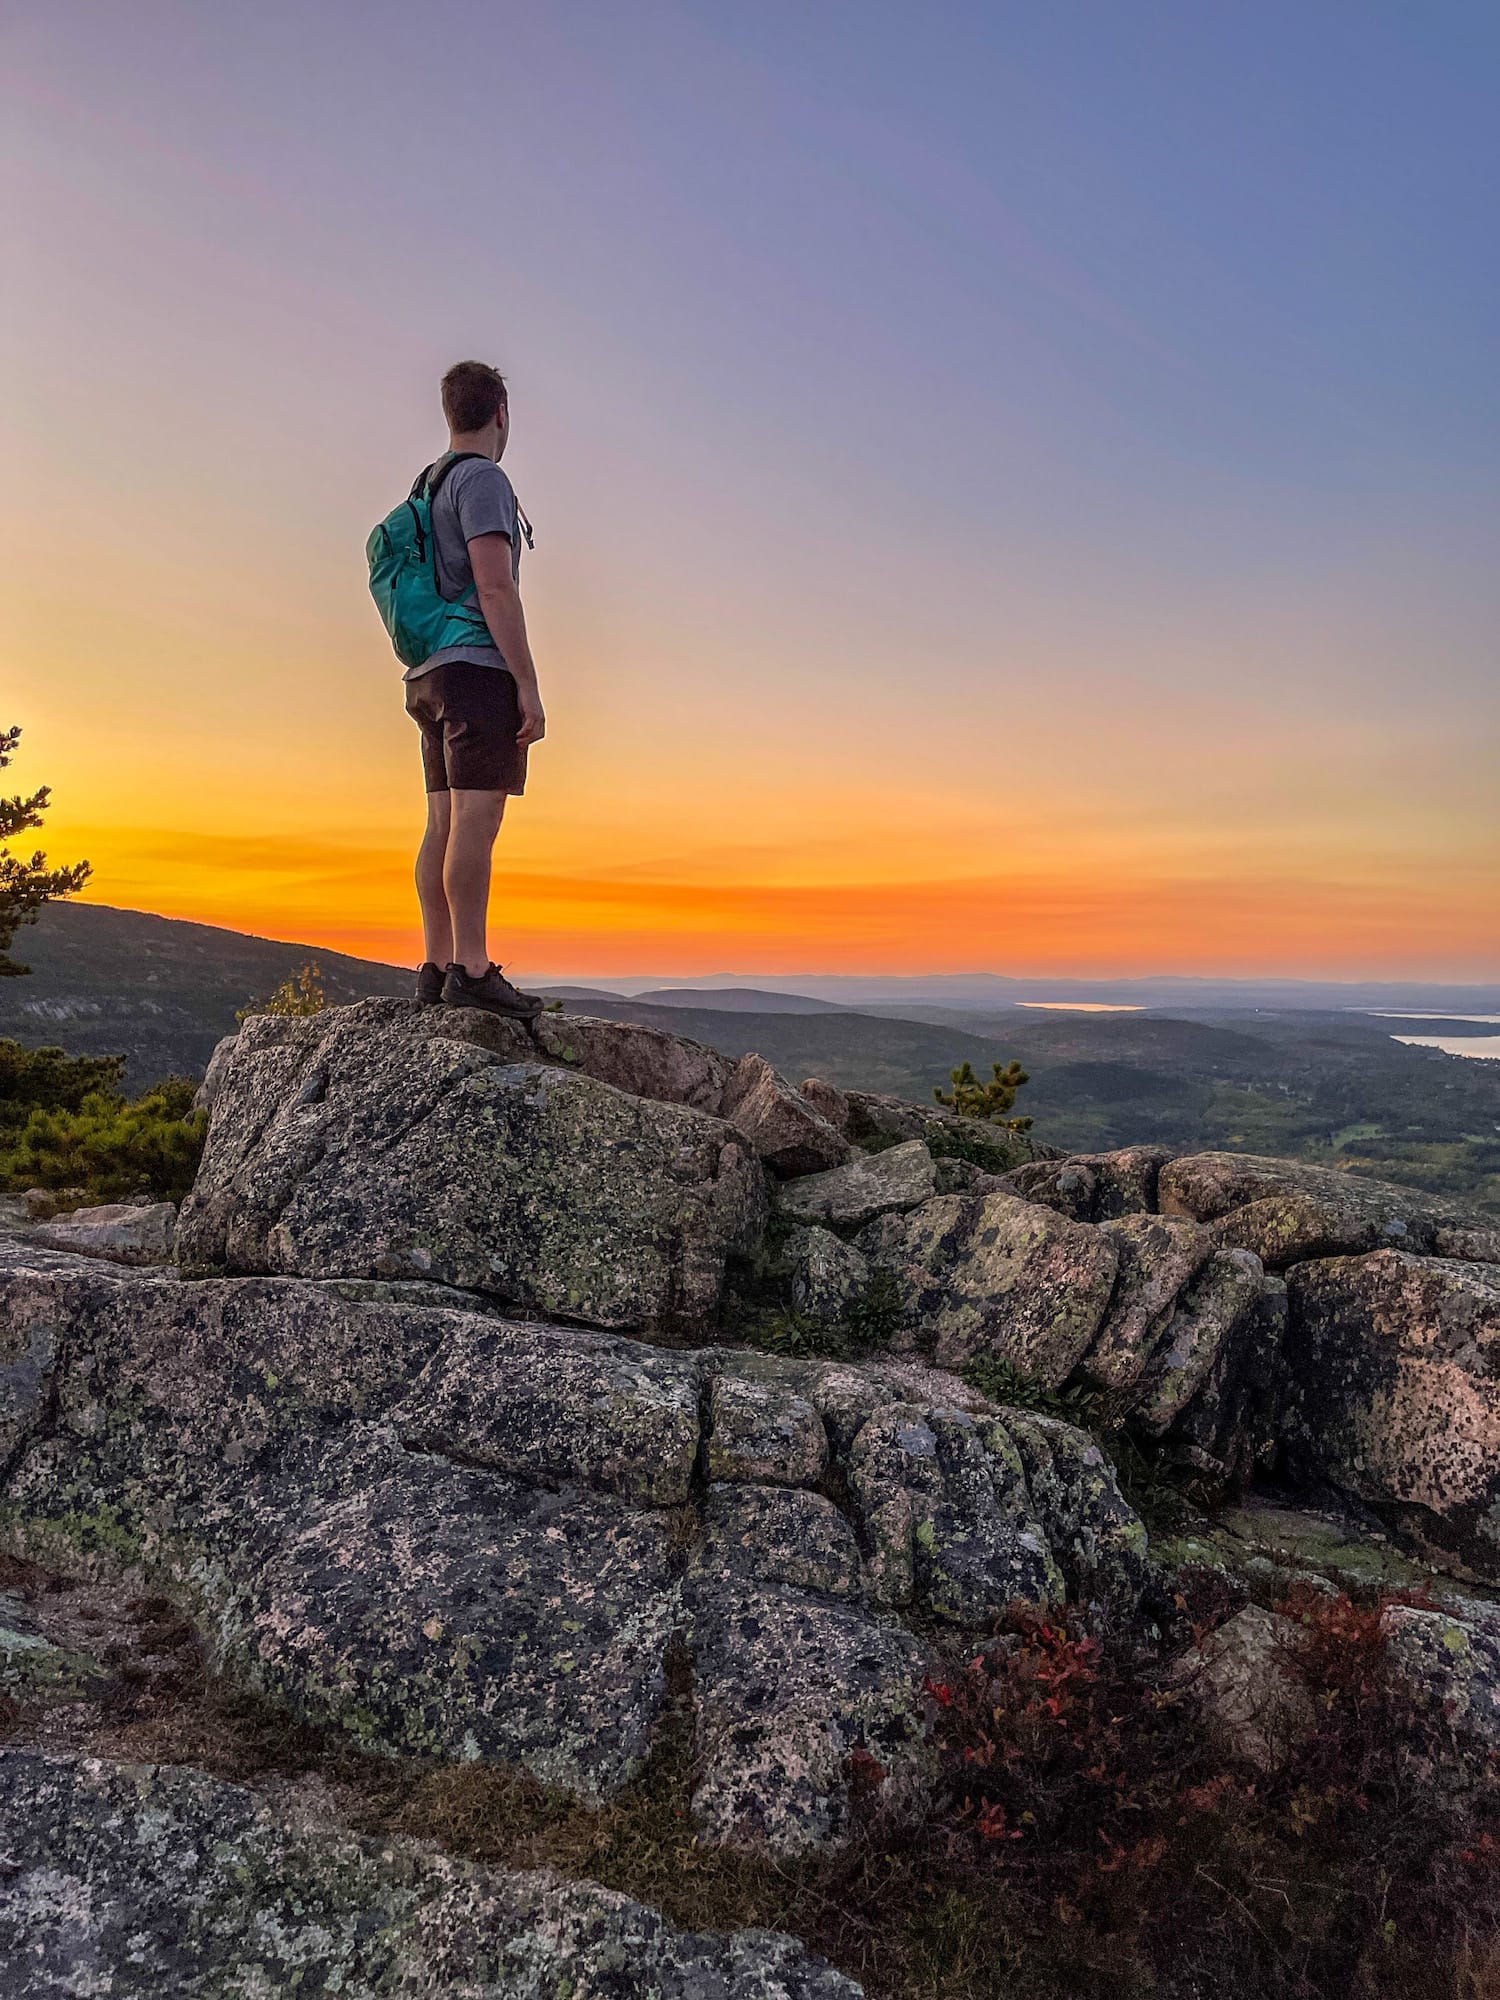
point(1287, 1211)
point(868, 1185)
point(371, 1149)
point(36, 1668)
point(1158, 1255)
point(429, 1439)
point(140, 1882)
point(454, 1535)
point(825, 1275)
point(998, 1275)
point(1396, 1377)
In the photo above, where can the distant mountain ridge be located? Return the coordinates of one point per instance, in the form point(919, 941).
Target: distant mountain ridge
point(988, 992)
point(739, 1000)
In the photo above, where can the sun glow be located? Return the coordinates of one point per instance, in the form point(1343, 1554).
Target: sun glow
point(1132, 634)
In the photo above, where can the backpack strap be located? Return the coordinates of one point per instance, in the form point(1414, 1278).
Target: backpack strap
point(432, 476)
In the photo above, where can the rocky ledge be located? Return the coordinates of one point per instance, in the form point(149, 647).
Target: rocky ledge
point(458, 1534)
point(440, 1425)
point(147, 1883)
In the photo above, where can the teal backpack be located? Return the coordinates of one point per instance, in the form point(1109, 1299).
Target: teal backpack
point(403, 577)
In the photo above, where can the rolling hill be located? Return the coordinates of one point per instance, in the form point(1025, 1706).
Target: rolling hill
point(157, 990)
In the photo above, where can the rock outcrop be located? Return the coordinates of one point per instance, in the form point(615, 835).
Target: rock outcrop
point(1396, 1372)
point(1371, 1369)
point(1287, 1211)
point(1156, 1257)
point(870, 1185)
point(338, 1152)
point(1242, 1675)
point(124, 1232)
point(870, 1117)
point(825, 1275)
point(783, 1127)
point(143, 1882)
point(1094, 1187)
point(438, 1432)
point(455, 1534)
point(1448, 1659)
point(996, 1274)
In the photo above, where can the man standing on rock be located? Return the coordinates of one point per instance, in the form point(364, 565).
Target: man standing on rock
point(445, 570)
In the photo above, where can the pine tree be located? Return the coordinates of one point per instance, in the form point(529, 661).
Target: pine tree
point(991, 1101)
point(26, 885)
point(301, 993)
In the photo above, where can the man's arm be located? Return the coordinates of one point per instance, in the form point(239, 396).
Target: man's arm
point(500, 601)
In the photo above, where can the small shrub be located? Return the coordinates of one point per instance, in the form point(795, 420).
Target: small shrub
point(109, 1147)
point(1342, 1653)
point(946, 1142)
point(1002, 1382)
point(876, 1315)
point(868, 1322)
point(1088, 1811)
point(300, 994)
point(988, 1101)
point(797, 1336)
point(49, 1079)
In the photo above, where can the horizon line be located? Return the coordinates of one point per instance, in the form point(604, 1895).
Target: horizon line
point(706, 980)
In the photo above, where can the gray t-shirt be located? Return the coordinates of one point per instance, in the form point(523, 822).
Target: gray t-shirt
point(475, 499)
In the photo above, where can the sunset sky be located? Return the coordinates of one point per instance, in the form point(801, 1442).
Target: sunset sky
point(1016, 486)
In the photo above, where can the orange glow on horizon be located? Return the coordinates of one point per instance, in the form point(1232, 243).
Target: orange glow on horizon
point(1033, 923)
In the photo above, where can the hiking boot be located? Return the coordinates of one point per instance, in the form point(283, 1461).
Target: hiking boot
point(490, 991)
point(429, 984)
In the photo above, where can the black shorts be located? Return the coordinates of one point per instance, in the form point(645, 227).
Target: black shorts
point(469, 717)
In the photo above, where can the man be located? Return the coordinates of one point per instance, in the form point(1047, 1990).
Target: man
point(476, 704)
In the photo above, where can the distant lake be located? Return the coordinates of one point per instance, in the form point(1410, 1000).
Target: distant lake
point(1485, 1047)
point(1084, 1006)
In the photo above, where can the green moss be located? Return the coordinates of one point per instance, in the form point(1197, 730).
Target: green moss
point(32, 1668)
point(100, 1537)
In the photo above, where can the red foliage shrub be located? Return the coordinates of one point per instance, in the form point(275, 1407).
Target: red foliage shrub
point(1079, 1789)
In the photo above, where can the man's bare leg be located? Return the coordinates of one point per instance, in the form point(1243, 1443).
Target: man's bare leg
point(437, 920)
point(475, 821)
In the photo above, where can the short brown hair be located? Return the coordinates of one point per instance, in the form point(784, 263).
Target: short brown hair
point(473, 393)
